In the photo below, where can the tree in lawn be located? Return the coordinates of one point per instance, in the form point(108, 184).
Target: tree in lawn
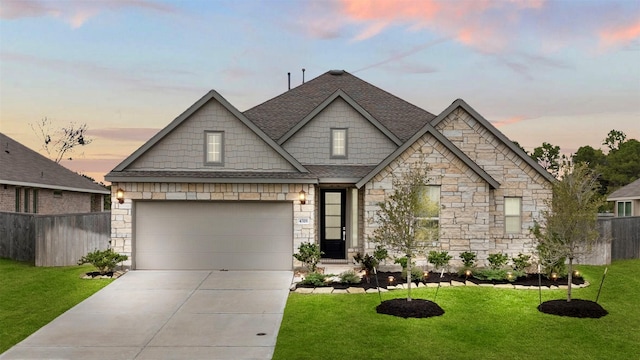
point(404, 219)
point(569, 226)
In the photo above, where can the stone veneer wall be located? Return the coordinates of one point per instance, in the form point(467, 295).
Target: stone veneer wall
point(122, 214)
point(472, 214)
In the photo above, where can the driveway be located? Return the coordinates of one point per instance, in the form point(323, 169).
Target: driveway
point(169, 315)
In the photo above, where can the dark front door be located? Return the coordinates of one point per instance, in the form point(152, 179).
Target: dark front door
point(332, 223)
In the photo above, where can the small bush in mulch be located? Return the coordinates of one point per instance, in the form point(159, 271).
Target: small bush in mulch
point(416, 308)
point(574, 308)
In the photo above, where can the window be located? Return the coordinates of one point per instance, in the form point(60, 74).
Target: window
point(18, 190)
point(34, 208)
point(338, 143)
point(214, 147)
point(512, 218)
point(26, 200)
point(624, 208)
point(428, 216)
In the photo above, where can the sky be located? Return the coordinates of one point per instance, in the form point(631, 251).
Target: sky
point(563, 72)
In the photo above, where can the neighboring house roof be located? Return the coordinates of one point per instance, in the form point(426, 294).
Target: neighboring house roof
point(276, 116)
point(22, 166)
point(628, 192)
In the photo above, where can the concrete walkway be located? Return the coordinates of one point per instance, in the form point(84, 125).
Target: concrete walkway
point(169, 315)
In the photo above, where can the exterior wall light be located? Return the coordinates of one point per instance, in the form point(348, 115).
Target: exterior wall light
point(120, 195)
point(303, 197)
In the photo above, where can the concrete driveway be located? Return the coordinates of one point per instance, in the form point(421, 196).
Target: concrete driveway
point(169, 315)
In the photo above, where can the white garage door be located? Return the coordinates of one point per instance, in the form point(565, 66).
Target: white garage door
point(203, 235)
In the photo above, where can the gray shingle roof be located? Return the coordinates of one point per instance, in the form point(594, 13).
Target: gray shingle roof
point(626, 192)
point(22, 166)
point(276, 116)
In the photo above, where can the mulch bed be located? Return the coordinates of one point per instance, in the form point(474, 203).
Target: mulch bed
point(384, 277)
point(574, 308)
point(416, 308)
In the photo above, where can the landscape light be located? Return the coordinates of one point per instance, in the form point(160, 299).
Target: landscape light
point(391, 279)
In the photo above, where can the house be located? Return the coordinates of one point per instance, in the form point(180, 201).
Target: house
point(31, 183)
point(627, 200)
point(222, 189)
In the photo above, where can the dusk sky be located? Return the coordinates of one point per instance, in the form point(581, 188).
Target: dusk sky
point(563, 72)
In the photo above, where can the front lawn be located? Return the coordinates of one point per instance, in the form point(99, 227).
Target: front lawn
point(31, 297)
point(479, 323)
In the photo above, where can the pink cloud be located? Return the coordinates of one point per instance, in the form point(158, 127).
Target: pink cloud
point(76, 12)
point(479, 24)
point(509, 121)
point(620, 35)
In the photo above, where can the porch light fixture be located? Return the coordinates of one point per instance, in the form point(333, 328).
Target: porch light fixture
point(120, 195)
point(302, 196)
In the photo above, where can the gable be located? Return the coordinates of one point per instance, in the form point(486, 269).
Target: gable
point(183, 147)
point(489, 148)
point(366, 142)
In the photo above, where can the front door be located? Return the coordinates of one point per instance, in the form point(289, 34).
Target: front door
point(332, 223)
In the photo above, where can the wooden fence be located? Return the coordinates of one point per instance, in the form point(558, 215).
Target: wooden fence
point(53, 240)
point(625, 234)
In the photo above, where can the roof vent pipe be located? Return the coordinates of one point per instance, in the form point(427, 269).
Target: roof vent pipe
point(303, 75)
point(289, 76)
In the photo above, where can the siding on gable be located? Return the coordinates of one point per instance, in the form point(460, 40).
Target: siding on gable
point(183, 148)
point(366, 145)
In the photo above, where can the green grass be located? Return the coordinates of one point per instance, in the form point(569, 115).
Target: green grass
point(479, 323)
point(30, 297)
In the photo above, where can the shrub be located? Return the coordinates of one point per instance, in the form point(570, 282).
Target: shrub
point(402, 261)
point(367, 261)
point(309, 254)
point(416, 274)
point(315, 279)
point(468, 259)
point(497, 261)
point(103, 260)
point(439, 259)
point(349, 277)
point(521, 262)
point(380, 253)
point(498, 274)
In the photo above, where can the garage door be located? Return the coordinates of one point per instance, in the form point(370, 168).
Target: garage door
point(202, 235)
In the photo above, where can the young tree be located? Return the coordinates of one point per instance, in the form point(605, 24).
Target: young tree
point(570, 225)
point(403, 217)
point(60, 142)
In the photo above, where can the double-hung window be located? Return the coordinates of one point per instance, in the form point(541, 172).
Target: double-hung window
point(338, 143)
point(624, 208)
point(427, 225)
point(512, 215)
point(214, 147)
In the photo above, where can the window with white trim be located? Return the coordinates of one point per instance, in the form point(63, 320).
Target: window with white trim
point(624, 208)
point(338, 143)
point(512, 215)
point(428, 214)
point(214, 147)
